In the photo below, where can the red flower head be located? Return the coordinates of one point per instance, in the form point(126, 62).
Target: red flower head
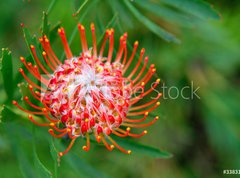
point(91, 94)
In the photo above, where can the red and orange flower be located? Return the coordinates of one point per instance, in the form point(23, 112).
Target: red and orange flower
point(90, 94)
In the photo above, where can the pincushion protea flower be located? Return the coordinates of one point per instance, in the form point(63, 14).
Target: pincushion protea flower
point(90, 94)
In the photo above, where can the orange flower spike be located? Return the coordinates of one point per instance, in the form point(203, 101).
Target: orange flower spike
point(62, 35)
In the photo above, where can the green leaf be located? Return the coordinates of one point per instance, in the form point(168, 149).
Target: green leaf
point(53, 32)
point(29, 41)
point(167, 13)
point(41, 170)
point(7, 72)
point(118, 8)
point(142, 149)
point(6, 114)
point(19, 78)
point(52, 4)
point(75, 162)
point(32, 40)
point(24, 89)
point(45, 24)
point(197, 8)
point(151, 25)
point(55, 157)
point(82, 167)
point(25, 166)
point(80, 8)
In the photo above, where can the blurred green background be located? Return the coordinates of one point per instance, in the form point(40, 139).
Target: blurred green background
point(202, 133)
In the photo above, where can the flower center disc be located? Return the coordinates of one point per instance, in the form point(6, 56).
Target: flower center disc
point(88, 95)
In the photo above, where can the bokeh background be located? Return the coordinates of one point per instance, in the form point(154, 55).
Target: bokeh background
point(200, 44)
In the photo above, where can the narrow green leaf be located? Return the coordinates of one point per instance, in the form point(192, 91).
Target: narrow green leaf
point(32, 40)
point(41, 170)
point(54, 155)
point(7, 72)
point(19, 78)
point(1, 110)
point(199, 8)
point(143, 149)
point(52, 4)
point(151, 25)
point(80, 8)
point(118, 8)
point(45, 24)
point(167, 13)
point(53, 32)
point(29, 41)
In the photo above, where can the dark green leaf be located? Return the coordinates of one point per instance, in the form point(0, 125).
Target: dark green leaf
point(45, 24)
point(167, 13)
point(143, 149)
point(198, 8)
point(118, 8)
point(6, 114)
point(25, 166)
point(151, 25)
point(82, 167)
point(7, 72)
point(32, 40)
point(55, 157)
point(76, 163)
point(53, 32)
point(41, 170)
